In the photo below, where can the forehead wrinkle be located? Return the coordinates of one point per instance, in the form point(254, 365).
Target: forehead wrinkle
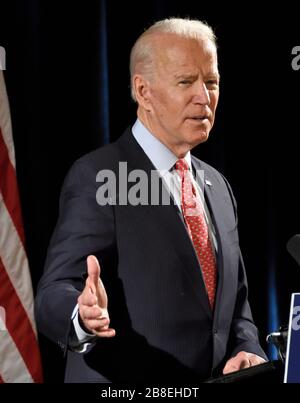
point(170, 55)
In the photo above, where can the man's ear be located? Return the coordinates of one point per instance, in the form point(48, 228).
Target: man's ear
point(142, 91)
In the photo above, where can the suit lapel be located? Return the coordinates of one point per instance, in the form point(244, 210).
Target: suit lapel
point(169, 217)
point(214, 197)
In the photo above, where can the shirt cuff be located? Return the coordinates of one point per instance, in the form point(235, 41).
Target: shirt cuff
point(79, 340)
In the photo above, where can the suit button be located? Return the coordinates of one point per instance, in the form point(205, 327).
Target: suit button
point(215, 331)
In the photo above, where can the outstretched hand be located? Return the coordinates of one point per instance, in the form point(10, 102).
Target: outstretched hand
point(92, 302)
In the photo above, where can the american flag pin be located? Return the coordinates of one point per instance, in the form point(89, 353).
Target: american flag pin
point(208, 182)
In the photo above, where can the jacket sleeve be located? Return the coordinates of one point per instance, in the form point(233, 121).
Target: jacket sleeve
point(244, 334)
point(83, 228)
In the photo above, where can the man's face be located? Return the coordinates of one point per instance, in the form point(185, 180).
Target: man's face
point(184, 92)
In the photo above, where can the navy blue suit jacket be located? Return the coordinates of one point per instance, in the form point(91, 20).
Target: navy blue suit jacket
point(165, 329)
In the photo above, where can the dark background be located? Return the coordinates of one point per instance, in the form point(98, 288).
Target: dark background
point(68, 85)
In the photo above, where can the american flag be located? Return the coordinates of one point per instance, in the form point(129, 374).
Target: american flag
point(19, 352)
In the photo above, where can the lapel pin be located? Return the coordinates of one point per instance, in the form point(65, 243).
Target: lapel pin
point(208, 182)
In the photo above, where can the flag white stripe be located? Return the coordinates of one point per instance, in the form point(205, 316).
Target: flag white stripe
point(5, 121)
point(12, 366)
point(15, 261)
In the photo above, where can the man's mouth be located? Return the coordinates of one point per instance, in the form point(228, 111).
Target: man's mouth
point(200, 118)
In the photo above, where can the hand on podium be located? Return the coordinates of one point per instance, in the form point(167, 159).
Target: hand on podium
point(242, 360)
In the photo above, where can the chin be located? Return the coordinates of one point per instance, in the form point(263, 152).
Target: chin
point(200, 138)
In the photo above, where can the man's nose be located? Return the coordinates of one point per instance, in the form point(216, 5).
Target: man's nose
point(201, 94)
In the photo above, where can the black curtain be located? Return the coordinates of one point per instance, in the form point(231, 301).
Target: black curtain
point(68, 84)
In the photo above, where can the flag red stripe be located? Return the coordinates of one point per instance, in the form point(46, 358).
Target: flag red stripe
point(1, 380)
point(19, 326)
point(9, 188)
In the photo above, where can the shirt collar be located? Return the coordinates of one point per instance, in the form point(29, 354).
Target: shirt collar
point(161, 156)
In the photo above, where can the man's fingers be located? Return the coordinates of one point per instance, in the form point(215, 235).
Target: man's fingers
point(245, 364)
point(230, 367)
point(100, 327)
point(93, 312)
point(101, 294)
point(242, 360)
point(236, 363)
point(97, 324)
point(256, 360)
point(105, 333)
point(93, 269)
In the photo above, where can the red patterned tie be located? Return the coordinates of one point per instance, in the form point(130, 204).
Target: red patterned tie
point(193, 214)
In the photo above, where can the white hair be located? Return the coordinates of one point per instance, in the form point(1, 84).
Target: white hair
point(142, 54)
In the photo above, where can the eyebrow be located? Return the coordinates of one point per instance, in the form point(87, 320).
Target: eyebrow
point(184, 75)
point(192, 76)
point(214, 76)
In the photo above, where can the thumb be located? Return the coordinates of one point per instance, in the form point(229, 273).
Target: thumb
point(95, 282)
point(93, 269)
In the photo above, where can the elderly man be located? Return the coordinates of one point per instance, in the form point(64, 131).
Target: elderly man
point(170, 301)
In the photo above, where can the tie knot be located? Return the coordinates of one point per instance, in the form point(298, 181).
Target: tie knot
point(181, 166)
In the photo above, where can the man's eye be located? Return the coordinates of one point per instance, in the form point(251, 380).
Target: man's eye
point(212, 84)
point(185, 82)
